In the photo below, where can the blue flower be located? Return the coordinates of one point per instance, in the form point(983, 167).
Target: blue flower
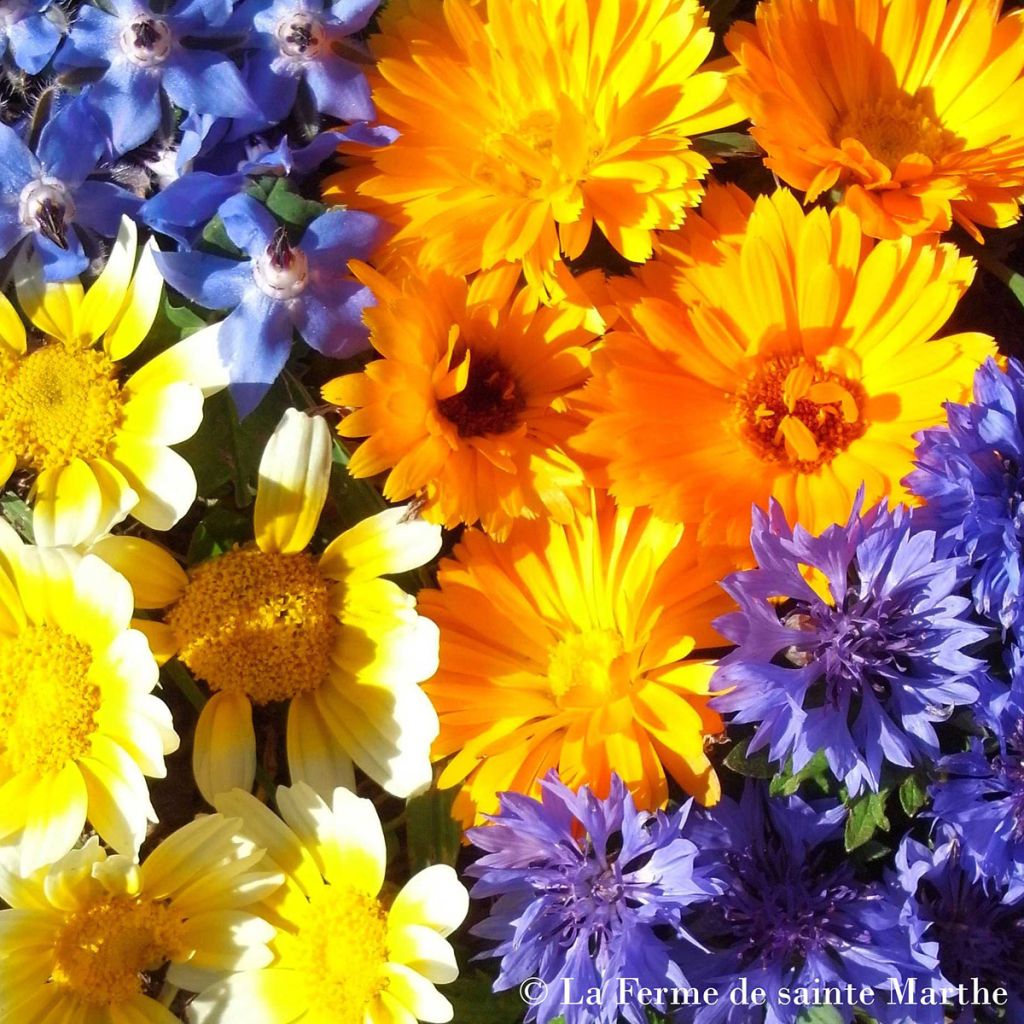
point(279, 289)
point(791, 914)
point(962, 928)
point(144, 54)
point(294, 41)
point(851, 643)
point(971, 475)
point(30, 30)
point(589, 892)
point(50, 196)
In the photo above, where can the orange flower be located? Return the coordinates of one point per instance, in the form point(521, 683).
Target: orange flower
point(790, 359)
point(911, 107)
point(524, 125)
point(467, 409)
point(575, 647)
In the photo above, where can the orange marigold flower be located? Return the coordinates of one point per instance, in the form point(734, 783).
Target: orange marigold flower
point(911, 107)
point(523, 125)
point(467, 408)
point(575, 647)
point(790, 359)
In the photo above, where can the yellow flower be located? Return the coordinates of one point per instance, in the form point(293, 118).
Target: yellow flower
point(269, 622)
point(910, 107)
point(776, 354)
point(84, 935)
point(467, 408)
point(343, 953)
point(522, 127)
point(79, 726)
point(573, 647)
point(97, 445)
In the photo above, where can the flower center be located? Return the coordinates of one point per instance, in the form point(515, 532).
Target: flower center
point(46, 206)
point(891, 130)
point(340, 951)
point(281, 271)
point(795, 411)
point(588, 669)
point(58, 404)
point(257, 623)
point(300, 35)
point(48, 702)
point(491, 401)
point(147, 41)
point(103, 949)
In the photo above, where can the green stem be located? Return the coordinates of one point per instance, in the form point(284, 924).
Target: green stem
point(1013, 279)
point(181, 678)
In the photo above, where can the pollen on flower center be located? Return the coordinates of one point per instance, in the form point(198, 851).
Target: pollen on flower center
point(893, 130)
point(587, 669)
point(57, 404)
point(257, 623)
point(340, 951)
point(300, 35)
point(103, 949)
point(147, 41)
point(491, 401)
point(281, 271)
point(45, 205)
point(48, 703)
point(796, 411)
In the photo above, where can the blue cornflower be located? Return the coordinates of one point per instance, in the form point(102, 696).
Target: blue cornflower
point(971, 475)
point(293, 41)
point(851, 643)
point(589, 892)
point(144, 53)
point(280, 288)
point(962, 928)
point(50, 196)
point(30, 30)
point(791, 914)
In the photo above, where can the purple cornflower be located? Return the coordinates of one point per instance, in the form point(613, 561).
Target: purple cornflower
point(281, 287)
point(971, 475)
point(589, 892)
point(30, 31)
point(144, 53)
point(851, 643)
point(791, 914)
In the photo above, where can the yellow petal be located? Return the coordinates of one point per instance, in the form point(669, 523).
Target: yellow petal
point(224, 755)
point(195, 359)
point(103, 300)
point(12, 330)
point(163, 480)
point(434, 898)
point(56, 817)
point(800, 443)
point(391, 541)
point(53, 307)
point(156, 578)
point(133, 319)
point(413, 991)
point(68, 507)
point(314, 756)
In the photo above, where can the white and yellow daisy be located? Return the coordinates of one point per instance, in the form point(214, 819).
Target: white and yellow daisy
point(343, 953)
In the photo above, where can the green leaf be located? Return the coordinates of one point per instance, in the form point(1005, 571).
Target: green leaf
point(209, 450)
point(757, 766)
point(788, 782)
point(913, 794)
point(185, 319)
point(866, 816)
point(293, 209)
point(432, 836)
point(476, 1003)
point(220, 530)
point(726, 144)
point(216, 237)
point(820, 1015)
point(19, 515)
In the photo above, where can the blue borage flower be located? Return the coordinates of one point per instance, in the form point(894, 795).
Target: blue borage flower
point(50, 195)
point(30, 31)
point(851, 643)
point(279, 288)
point(144, 53)
point(589, 891)
point(791, 915)
point(971, 475)
point(962, 928)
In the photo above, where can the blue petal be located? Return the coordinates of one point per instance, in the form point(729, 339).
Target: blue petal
point(254, 343)
point(181, 209)
point(198, 15)
point(340, 89)
point(330, 319)
point(99, 205)
point(272, 93)
point(71, 144)
point(32, 41)
point(265, 14)
point(354, 232)
point(17, 165)
point(249, 224)
point(94, 41)
point(12, 230)
point(59, 264)
point(126, 104)
point(206, 82)
point(354, 15)
point(213, 281)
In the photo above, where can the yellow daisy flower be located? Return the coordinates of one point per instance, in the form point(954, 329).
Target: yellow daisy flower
point(520, 128)
point(576, 647)
point(269, 622)
point(910, 107)
point(344, 953)
point(79, 725)
point(84, 935)
point(96, 444)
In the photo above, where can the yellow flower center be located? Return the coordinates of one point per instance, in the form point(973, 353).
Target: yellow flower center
point(48, 703)
point(339, 952)
point(891, 130)
point(257, 623)
point(586, 670)
point(796, 411)
point(57, 404)
point(103, 949)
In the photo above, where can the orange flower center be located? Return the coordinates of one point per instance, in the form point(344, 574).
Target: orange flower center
point(491, 401)
point(795, 411)
point(892, 130)
point(586, 670)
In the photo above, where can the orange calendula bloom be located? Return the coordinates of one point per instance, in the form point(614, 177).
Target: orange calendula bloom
point(779, 354)
point(911, 107)
point(523, 125)
point(574, 647)
point(467, 409)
